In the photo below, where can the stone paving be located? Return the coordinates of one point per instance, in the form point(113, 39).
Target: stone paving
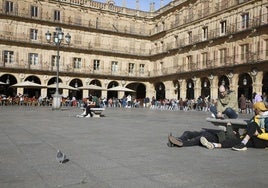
point(125, 149)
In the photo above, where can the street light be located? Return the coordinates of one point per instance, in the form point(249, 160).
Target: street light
point(58, 36)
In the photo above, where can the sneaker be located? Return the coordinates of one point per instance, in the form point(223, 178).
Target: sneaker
point(169, 144)
point(206, 143)
point(84, 113)
point(175, 142)
point(213, 115)
point(240, 147)
point(88, 116)
point(80, 116)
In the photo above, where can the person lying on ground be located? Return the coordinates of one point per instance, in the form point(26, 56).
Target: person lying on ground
point(228, 142)
point(193, 138)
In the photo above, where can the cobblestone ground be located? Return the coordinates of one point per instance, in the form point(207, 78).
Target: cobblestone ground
point(125, 148)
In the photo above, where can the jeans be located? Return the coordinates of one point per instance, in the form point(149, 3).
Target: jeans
point(192, 138)
point(229, 112)
point(231, 142)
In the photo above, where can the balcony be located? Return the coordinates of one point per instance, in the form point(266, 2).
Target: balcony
point(69, 21)
point(231, 29)
point(24, 39)
point(213, 64)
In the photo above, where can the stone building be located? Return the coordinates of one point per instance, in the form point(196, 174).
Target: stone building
point(185, 49)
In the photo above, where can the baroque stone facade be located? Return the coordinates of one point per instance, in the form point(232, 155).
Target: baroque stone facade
point(185, 49)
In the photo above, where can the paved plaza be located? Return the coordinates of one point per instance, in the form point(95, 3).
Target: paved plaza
point(125, 149)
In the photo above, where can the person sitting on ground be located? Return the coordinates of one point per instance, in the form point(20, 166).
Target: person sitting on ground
point(193, 138)
point(260, 120)
point(227, 104)
point(257, 129)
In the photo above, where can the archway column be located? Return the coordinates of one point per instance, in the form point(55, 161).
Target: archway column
point(183, 89)
point(44, 92)
point(65, 92)
point(150, 90)
point(257, 85)
point(197, 88)
point(214, 87)
point(85, 93)
point(169, 89)
point(234, 83)
point(20, 90)
point(104, 94)
point(122, 93)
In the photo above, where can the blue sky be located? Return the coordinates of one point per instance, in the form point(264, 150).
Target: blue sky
point(143, 4)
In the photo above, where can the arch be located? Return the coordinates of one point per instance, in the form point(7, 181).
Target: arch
point(140, 89)
point(205, 87)
point(6, 90)
point(245, 85)
point(96, 82)
point(112, 94)
point(32, 92)
point(224, 80)
point(51, 91)
point(190, 89)
point(95, 93)
point(76, 82)
point(265, 83)
point(33, 78)
point(160, 91)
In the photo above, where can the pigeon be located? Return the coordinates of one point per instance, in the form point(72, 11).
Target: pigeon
point(61, 157)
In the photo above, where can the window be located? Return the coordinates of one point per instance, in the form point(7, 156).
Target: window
point(142, 68)
point(77, 63)
point(9, 6)
point(190, 61)
point(114, 67)
point(57, 15)
point(190, 37)
point(33, 34)
point(131, 68)
point(223, 28)
point(177, 19)
point(33, 59)
point(244, 51)
point(96, 64)
point(54, 60)
point(204, 59)
point(222, 56)
point(245, 20)
point(8, 56)
point(34, 11)
point(205, 33)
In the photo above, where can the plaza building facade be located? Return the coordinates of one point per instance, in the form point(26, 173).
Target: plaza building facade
point(185, 49)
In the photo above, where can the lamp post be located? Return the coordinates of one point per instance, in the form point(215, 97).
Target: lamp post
point(58, 36)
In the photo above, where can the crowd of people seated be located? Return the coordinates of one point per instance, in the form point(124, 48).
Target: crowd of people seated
point(18, 100)
point(199, 104)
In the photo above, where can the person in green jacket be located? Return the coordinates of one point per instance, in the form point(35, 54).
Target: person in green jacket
point(227, 104)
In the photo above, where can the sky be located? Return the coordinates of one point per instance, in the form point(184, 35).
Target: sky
point(144, 5)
